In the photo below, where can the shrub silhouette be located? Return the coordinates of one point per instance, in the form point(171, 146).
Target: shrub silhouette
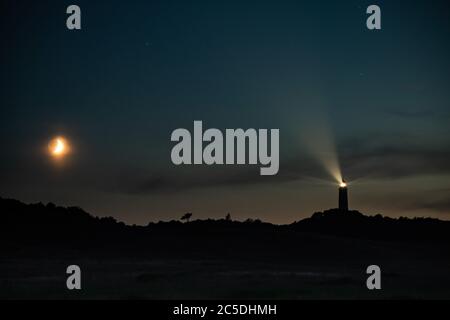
point(186, 216)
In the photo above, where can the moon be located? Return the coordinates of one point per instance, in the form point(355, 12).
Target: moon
point(58, 147)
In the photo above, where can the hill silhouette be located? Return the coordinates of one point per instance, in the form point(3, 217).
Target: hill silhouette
point(354, 224)
point(326, 253)
point(72, 227)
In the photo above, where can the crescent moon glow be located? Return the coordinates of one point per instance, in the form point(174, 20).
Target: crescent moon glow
point(58, 147)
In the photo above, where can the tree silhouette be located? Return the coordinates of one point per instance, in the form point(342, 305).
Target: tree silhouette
point(228, 217)
point(186, 216)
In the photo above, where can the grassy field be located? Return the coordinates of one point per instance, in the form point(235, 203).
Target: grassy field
point(216, 279)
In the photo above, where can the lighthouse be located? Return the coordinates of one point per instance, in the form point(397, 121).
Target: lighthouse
point(343, 198)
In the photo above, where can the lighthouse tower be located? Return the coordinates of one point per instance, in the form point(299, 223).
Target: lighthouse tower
point(343, 198)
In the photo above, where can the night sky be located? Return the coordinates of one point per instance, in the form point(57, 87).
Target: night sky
point(377, 101)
